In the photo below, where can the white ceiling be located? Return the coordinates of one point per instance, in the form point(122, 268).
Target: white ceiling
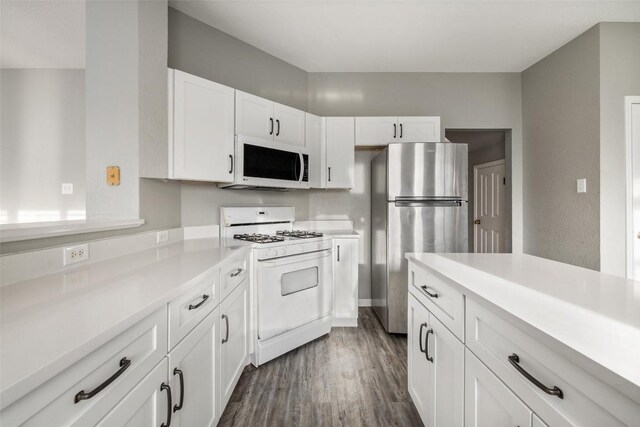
point(42, 34)
point(401, 35)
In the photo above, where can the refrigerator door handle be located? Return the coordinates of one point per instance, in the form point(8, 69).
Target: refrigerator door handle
point(431, 203)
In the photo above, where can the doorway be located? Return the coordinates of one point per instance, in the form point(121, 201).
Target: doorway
point(486, 147)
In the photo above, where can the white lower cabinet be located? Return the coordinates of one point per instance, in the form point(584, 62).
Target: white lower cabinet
point(345, 282)
point(146, 405)
point(194, 376)
point(234, 332)
point(489, 403)
point(435, 368)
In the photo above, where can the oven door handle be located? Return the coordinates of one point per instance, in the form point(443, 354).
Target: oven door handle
point(275, 262)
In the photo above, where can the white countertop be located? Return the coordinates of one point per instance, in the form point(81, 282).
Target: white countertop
point(49, 322)
point(595, 314)
point(341, 234)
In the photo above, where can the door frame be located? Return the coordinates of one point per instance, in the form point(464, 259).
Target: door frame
point(475, 195)
point(630, 237)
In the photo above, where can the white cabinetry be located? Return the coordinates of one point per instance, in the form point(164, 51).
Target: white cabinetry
point(435, 368)
point(380, 131)
point(259, 117)
point(315, 143)
point(201, 129)
point(194, 375)
point(489, 403)
point(345, 282)
point(234, 332)
point(340, 151)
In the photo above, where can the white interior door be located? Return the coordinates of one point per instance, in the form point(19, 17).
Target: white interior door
point(633, 163)
point(489, 219)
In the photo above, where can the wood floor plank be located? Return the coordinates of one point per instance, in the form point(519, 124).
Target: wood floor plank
point(351, 377)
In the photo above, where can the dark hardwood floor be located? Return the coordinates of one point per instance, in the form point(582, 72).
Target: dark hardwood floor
point(351, 377)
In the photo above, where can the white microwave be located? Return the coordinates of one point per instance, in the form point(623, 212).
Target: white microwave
point(264, 164)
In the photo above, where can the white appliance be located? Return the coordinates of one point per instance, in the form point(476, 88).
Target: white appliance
point(264, 164)
point(293, 278)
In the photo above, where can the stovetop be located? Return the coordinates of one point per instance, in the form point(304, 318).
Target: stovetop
point(280, 236)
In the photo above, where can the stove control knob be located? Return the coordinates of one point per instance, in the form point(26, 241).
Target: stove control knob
point(272, 252)
point(282, 251)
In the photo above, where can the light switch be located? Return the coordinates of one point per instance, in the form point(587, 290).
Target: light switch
point(67, 188)
point(113, 175)
point(582, 185)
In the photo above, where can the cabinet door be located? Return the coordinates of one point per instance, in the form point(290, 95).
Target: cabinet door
point(419, 129)
point(537, 422)
point(146, 405)
point(446, 391)
point(203, 129)
point(340, 152)
point(289, 126)
point(418, 367)
point(376, 131)
point(194, 375)
point(234, 332)
point(488, 402)
point(345, 282)
point(315, 144)
point(254, 116)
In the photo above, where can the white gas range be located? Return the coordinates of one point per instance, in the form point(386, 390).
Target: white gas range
point(293, 283)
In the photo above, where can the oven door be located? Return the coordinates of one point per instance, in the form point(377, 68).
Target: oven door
point(264, 163)
point(293, 291)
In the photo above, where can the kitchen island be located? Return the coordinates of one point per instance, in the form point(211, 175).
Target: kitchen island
point(561, 343)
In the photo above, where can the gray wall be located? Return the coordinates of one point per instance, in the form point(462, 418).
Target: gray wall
point(619, 77)
point(561, 135)
point(354, 205)
point(197, 48)
point(42, 144)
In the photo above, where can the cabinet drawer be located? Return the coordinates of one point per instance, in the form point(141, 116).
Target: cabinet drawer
point(83, 393)
point(232, 274)
point(186, 311)
point(440, 298)
point(586, 400)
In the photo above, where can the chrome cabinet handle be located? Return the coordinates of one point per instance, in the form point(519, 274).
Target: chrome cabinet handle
point(338, 253)
point(177, 407)
point(230, 163)
point(515, 362)
point(169, 404)
point(237, 273)
point(205, 297)
point(226, 338)
point(400, 130)
point(424, 325)
point(81, 395)
point(271, 120)
point(426, 345)
point(394, 130)
point(426, 290)
point(278, 123)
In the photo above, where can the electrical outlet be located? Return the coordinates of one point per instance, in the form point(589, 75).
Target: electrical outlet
point(67, 188)
point(75, 254)
point(581, 185)
point(162, 236)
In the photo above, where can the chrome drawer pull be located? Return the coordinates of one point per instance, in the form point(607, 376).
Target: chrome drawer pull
point(431, 294)
point(81, 395)
point(205, 297)
point(237, 273)
point(555, 391)
point(226, 338)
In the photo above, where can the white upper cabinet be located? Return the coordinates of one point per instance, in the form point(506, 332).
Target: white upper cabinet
point(380, 131)
point(376, 131)
point(418, 129)
point(315, 145)
point(259, 117)
point(201, 135)
point(254, 116)
point(289, 127)
point(340, 155)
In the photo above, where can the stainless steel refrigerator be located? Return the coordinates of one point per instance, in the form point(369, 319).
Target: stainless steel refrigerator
point(418, 204)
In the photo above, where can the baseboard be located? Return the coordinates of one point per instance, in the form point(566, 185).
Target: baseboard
point(364, 303)
point(345, 322)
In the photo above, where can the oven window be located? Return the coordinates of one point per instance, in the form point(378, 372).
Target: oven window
point(262, 162)
point(299, 280)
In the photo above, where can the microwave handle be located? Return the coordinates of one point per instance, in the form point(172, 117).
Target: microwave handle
point(301, 167)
